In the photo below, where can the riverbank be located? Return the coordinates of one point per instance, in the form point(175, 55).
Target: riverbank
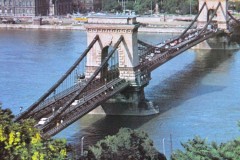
point(32, 26)
point(152, 24)
point(150, 29)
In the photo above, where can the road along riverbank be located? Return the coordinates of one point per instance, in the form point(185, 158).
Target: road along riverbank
point(163, 27)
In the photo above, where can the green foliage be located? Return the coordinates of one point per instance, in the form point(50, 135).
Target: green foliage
point(237, 6)
point(126, 144)
point(142, 6)
point(145, 6)
point(23, 141)
point(180, 6)
point(234, 5)
point(110, 5)
point(130, 5)
point(186, 6)
point(199, 149)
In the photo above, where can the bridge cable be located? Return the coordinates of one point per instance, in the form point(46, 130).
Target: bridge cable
point(236, 20)
point(145, 44)
point(194, 20)
point(97, 71)
point(56, 85)
point(210, 20)
point(150, 47)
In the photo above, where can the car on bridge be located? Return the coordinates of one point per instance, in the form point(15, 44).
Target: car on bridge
point(42, 122)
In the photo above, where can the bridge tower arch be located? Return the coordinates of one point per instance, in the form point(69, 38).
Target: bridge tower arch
point(112, 64)
point(221, 17)
point(109, 30)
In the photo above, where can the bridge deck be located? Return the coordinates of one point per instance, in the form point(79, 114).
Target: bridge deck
point(53, 104)
point(159, 55)
point(90, 101)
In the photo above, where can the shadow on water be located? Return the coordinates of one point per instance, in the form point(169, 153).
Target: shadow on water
point(175, 90)
point(102, 126)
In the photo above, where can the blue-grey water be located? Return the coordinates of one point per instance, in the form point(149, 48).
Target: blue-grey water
point(198, 92)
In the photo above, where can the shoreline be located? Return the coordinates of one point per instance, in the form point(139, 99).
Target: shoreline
point(154, 29)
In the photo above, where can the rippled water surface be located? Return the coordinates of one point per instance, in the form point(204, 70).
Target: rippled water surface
point(198, 92)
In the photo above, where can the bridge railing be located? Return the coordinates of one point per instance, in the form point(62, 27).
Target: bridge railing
point(164, 46)
point(159, 59)
point(52, 102)
point(85, 105)
point(194, 20)
point(148, 50)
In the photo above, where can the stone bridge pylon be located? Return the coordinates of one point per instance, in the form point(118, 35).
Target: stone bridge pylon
point(109, 30)
point(131, 101)
point(221, 17)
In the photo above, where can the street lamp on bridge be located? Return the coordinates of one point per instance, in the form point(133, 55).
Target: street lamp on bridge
point(82, 145)
point(20, 108)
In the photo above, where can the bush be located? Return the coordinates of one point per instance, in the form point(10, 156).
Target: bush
point(126, 144)
point(23, 141)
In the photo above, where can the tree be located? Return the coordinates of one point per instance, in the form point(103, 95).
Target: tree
point(130, 5)
point(199, 149)
point(180, 6)
point(112, 6)
point(142, 6)
point(126, 144)
point(237, 6)
point(23, 141)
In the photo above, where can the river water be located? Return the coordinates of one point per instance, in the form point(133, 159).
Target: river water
point(198, 92)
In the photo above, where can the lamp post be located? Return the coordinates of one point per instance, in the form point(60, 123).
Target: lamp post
point(123, 6)
point(190, 9)
point(21, 108)
point(151, 7)
point(53, 111)
point(163, 143)
point(56, 7)
point(82, 145)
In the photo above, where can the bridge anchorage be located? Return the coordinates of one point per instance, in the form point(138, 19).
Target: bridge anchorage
point(113, 71)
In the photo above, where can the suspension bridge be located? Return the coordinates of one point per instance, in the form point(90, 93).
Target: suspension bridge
point(115, 68)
